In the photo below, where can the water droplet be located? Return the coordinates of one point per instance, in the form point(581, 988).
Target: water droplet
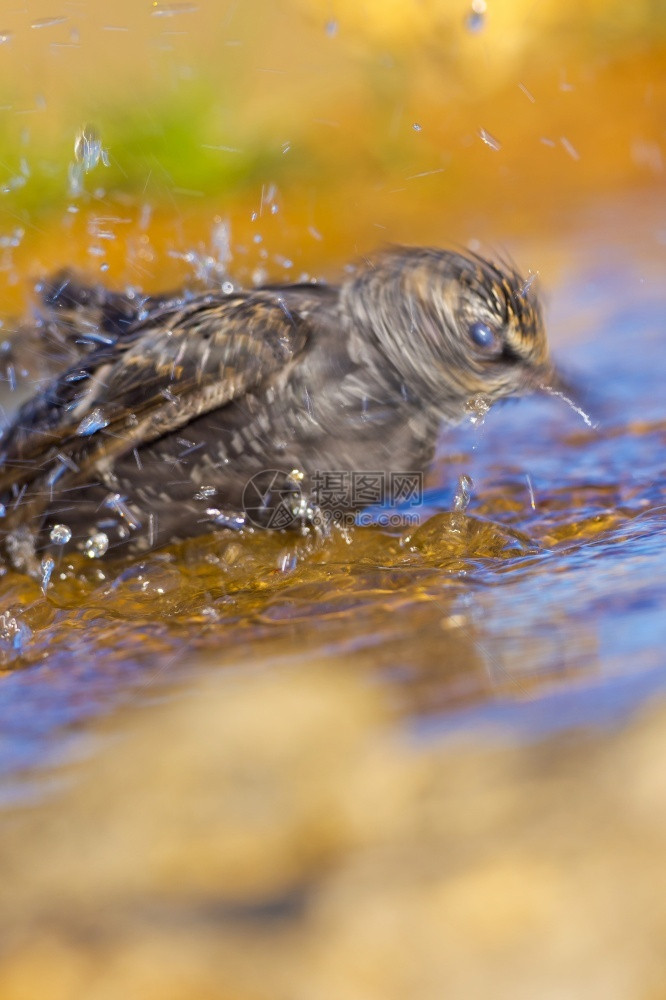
point(477, 407)
point(60, 534)
point(117, 503)
point(221, 243)
point(527, 284)
point(528, 93)
point(287, 561)
point(6, 36)
point(88, 148)
point(569, 148)
point(48, 22)
point(93, 422)
point(417, 127)
point(13, 239)
point(47, 567)
point(204, 492)
point(210, 614)
point(489, 139)
point(222, 520)
point(13, 632)
point(56, 472)
point(476, 18)
point(172, 9)
point(74, 180)
point(97, 545)
point(463, 494)
point(331, 28)
point(528, 480)
point(552, 391)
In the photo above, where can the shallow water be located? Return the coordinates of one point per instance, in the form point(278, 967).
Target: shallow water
point(386, 764)
point(540, 607)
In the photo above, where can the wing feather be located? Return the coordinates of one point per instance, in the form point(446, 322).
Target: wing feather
point(165, 372)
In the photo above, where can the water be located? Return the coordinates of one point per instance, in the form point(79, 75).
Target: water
point(489, 140)
point(97, 545)
point(533, 598)
point(60, 534)
point(427, 754)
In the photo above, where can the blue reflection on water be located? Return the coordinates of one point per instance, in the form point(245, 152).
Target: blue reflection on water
point(589, 617)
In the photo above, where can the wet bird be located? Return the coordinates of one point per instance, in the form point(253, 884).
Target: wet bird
point(164, 409)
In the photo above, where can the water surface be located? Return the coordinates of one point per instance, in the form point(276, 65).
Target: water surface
point(542, 606)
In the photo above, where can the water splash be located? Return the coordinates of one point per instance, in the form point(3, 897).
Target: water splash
point(552, 391)
point(210, 265)
point(528, 282)
point(477, 407)
point(88, 154)
point(489, 139)
point(48, 22)
point(118, 504)
point(47, 567)
point(14, 633)
point(172, 9)
point(463, 494)
point(88, 148)
point(93, 422)
point(528, 480)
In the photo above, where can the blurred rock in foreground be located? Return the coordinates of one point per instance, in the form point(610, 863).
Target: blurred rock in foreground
point(274, 835)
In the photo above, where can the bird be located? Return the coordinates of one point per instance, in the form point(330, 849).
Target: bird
point(231, 408)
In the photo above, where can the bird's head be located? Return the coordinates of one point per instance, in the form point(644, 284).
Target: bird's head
point(454, 327)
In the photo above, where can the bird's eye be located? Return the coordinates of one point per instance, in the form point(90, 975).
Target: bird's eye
point(483, 336)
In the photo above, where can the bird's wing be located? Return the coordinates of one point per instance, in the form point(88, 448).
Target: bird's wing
point(158, 378)
point(75, 318)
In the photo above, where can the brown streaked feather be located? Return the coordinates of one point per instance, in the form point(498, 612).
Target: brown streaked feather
point(200, 357)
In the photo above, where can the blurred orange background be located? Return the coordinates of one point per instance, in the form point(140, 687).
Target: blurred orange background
point(317, 130)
